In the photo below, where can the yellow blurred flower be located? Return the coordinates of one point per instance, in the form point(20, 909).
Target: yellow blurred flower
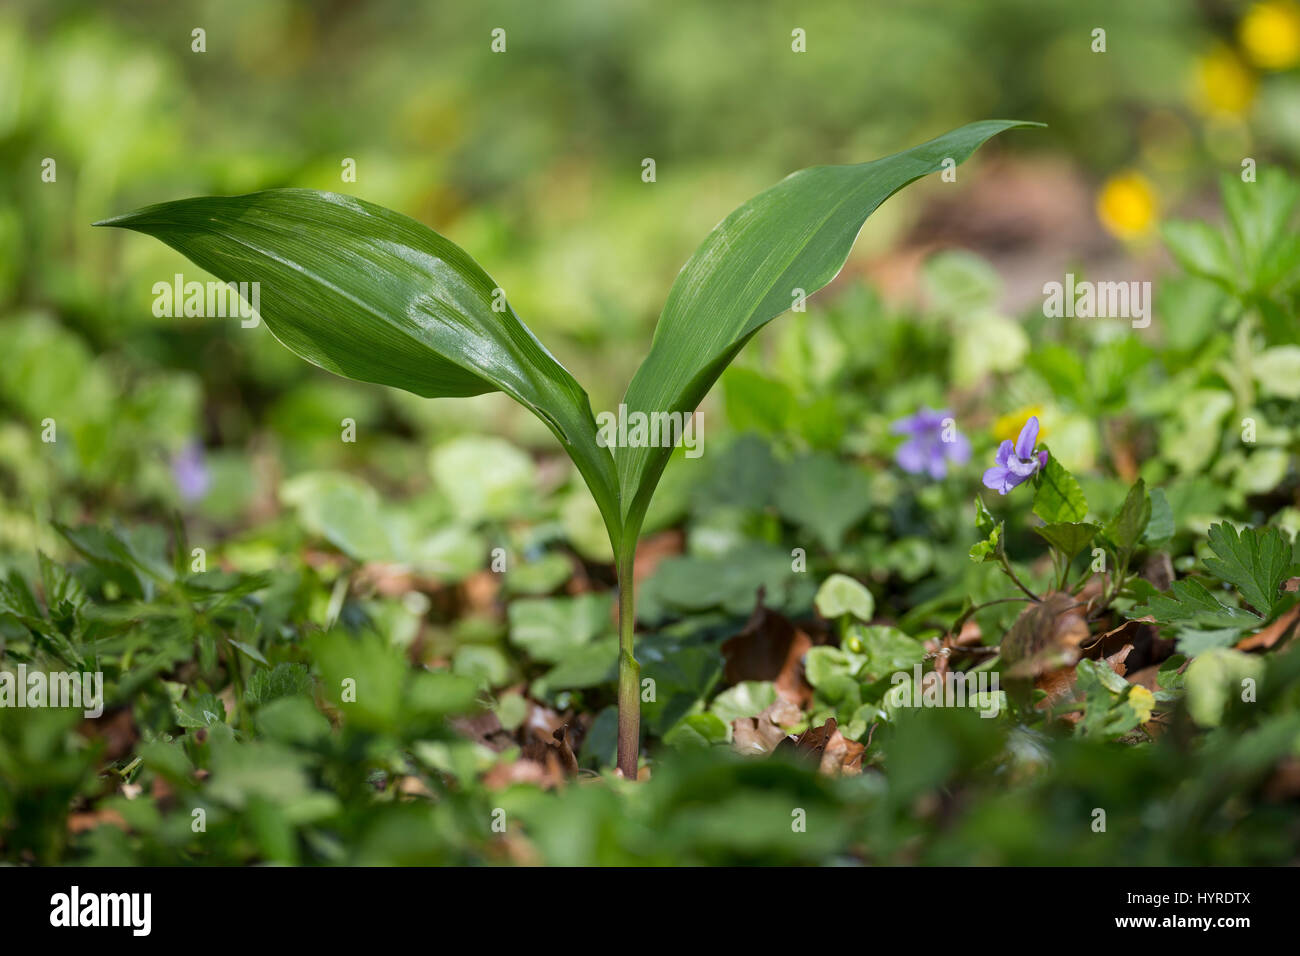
point(1270, 34)
point(1126, 205)
point(1007, 427)
point(1223, 83)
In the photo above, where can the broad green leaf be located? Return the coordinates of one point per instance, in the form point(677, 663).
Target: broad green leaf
point(351, 515)
point(824, 495)
point(1260, 472)
point(745, 474)
point(483, 477)
point(601, 743)
point(794, 236)
point(541, 575)
point(342, 509)
point(837, 694)
point(825, 663)
point(888, 650)
point(1259, 214)
point(373, 295)
point(1160, 527)
point(757, 403)
point(840, 595)
point(482, 663)
point(747, 699)
point(550, 629)
point(1200, 249)
point(984, 345)
point(698, 730)
point(1059, 497)
point(585, 666)
point(1125, 529)
point(1278, 371)
point(1063, 371)
point(1214, 678)
point(690, 584)
point(1194, 434)
point(685, 673)
point(370, 682)
point(959, 284)
point(292, 719)
point(1068, 537)
point(512, 710)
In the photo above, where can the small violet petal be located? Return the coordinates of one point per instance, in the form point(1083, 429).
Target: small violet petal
point(1028, 438)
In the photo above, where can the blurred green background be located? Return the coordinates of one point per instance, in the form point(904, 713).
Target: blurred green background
point(327, 557)
point(531, 160)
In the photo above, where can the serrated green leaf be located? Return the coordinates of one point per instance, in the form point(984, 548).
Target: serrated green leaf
point(1190, 602)
point(203, 710)
point(284, 680)
point(1193, 641)
point(1255, 561)
point(887, 650)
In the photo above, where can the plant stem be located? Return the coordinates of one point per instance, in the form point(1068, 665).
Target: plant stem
point(629, 672)
point(237, 678)
point(976, 608)
point(1006, 566)
point(1119, 580)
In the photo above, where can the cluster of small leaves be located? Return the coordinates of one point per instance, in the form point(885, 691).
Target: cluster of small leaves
point(1255, 563)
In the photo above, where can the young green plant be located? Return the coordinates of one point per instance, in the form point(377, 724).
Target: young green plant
point(372, 295)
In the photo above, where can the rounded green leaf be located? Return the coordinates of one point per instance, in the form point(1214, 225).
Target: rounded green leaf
point(840, 595)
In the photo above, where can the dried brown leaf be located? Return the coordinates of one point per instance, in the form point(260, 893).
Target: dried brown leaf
point(769, 648)
point(1046, 636)
point(1266, 637)
point(761, 734)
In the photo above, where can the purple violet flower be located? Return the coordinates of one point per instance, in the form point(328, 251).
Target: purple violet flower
point(190, 472)
point(1016, 462)
point(934, 442)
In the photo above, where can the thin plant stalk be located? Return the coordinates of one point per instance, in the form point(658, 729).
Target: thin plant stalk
point(629, 672)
